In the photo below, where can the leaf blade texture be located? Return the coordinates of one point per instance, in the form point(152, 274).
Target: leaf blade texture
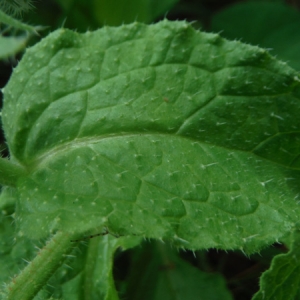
point(160, 131)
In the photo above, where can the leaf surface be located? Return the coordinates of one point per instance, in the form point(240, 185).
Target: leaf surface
point(158, 131)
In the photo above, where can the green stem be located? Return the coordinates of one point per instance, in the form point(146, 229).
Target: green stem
point(28, 283)
point(91, 262)
point(6, 19)
point(10, 172)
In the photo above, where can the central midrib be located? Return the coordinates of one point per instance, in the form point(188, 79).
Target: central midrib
point(43, 158)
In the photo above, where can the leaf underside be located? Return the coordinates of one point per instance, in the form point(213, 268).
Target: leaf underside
point(159, 131)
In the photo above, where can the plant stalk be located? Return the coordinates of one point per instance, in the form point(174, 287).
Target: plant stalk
point(10, 172)
point(36, 274)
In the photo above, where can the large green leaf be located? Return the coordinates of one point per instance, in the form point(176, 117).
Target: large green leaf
point(269, 25)
point(160, 131)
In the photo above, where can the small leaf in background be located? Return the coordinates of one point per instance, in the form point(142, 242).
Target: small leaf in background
point(114, 12)
point(93, 274)
point(164, 275)
point(263, 23)
point(13, 44)
point(282, 280)
point(10, 46)
point(214, 166)
point(99, 263)
point(83, 14)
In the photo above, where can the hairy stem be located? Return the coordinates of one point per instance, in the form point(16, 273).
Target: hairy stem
point(10, 172)
point(6, 19)
point(28, 283)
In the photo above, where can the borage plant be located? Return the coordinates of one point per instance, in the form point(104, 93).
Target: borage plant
point(148, 132)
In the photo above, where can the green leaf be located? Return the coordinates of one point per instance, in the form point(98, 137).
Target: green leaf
point(164, 275)
point(100, 260)
point(282, 280)
point(269, 25)
point(158, 131)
